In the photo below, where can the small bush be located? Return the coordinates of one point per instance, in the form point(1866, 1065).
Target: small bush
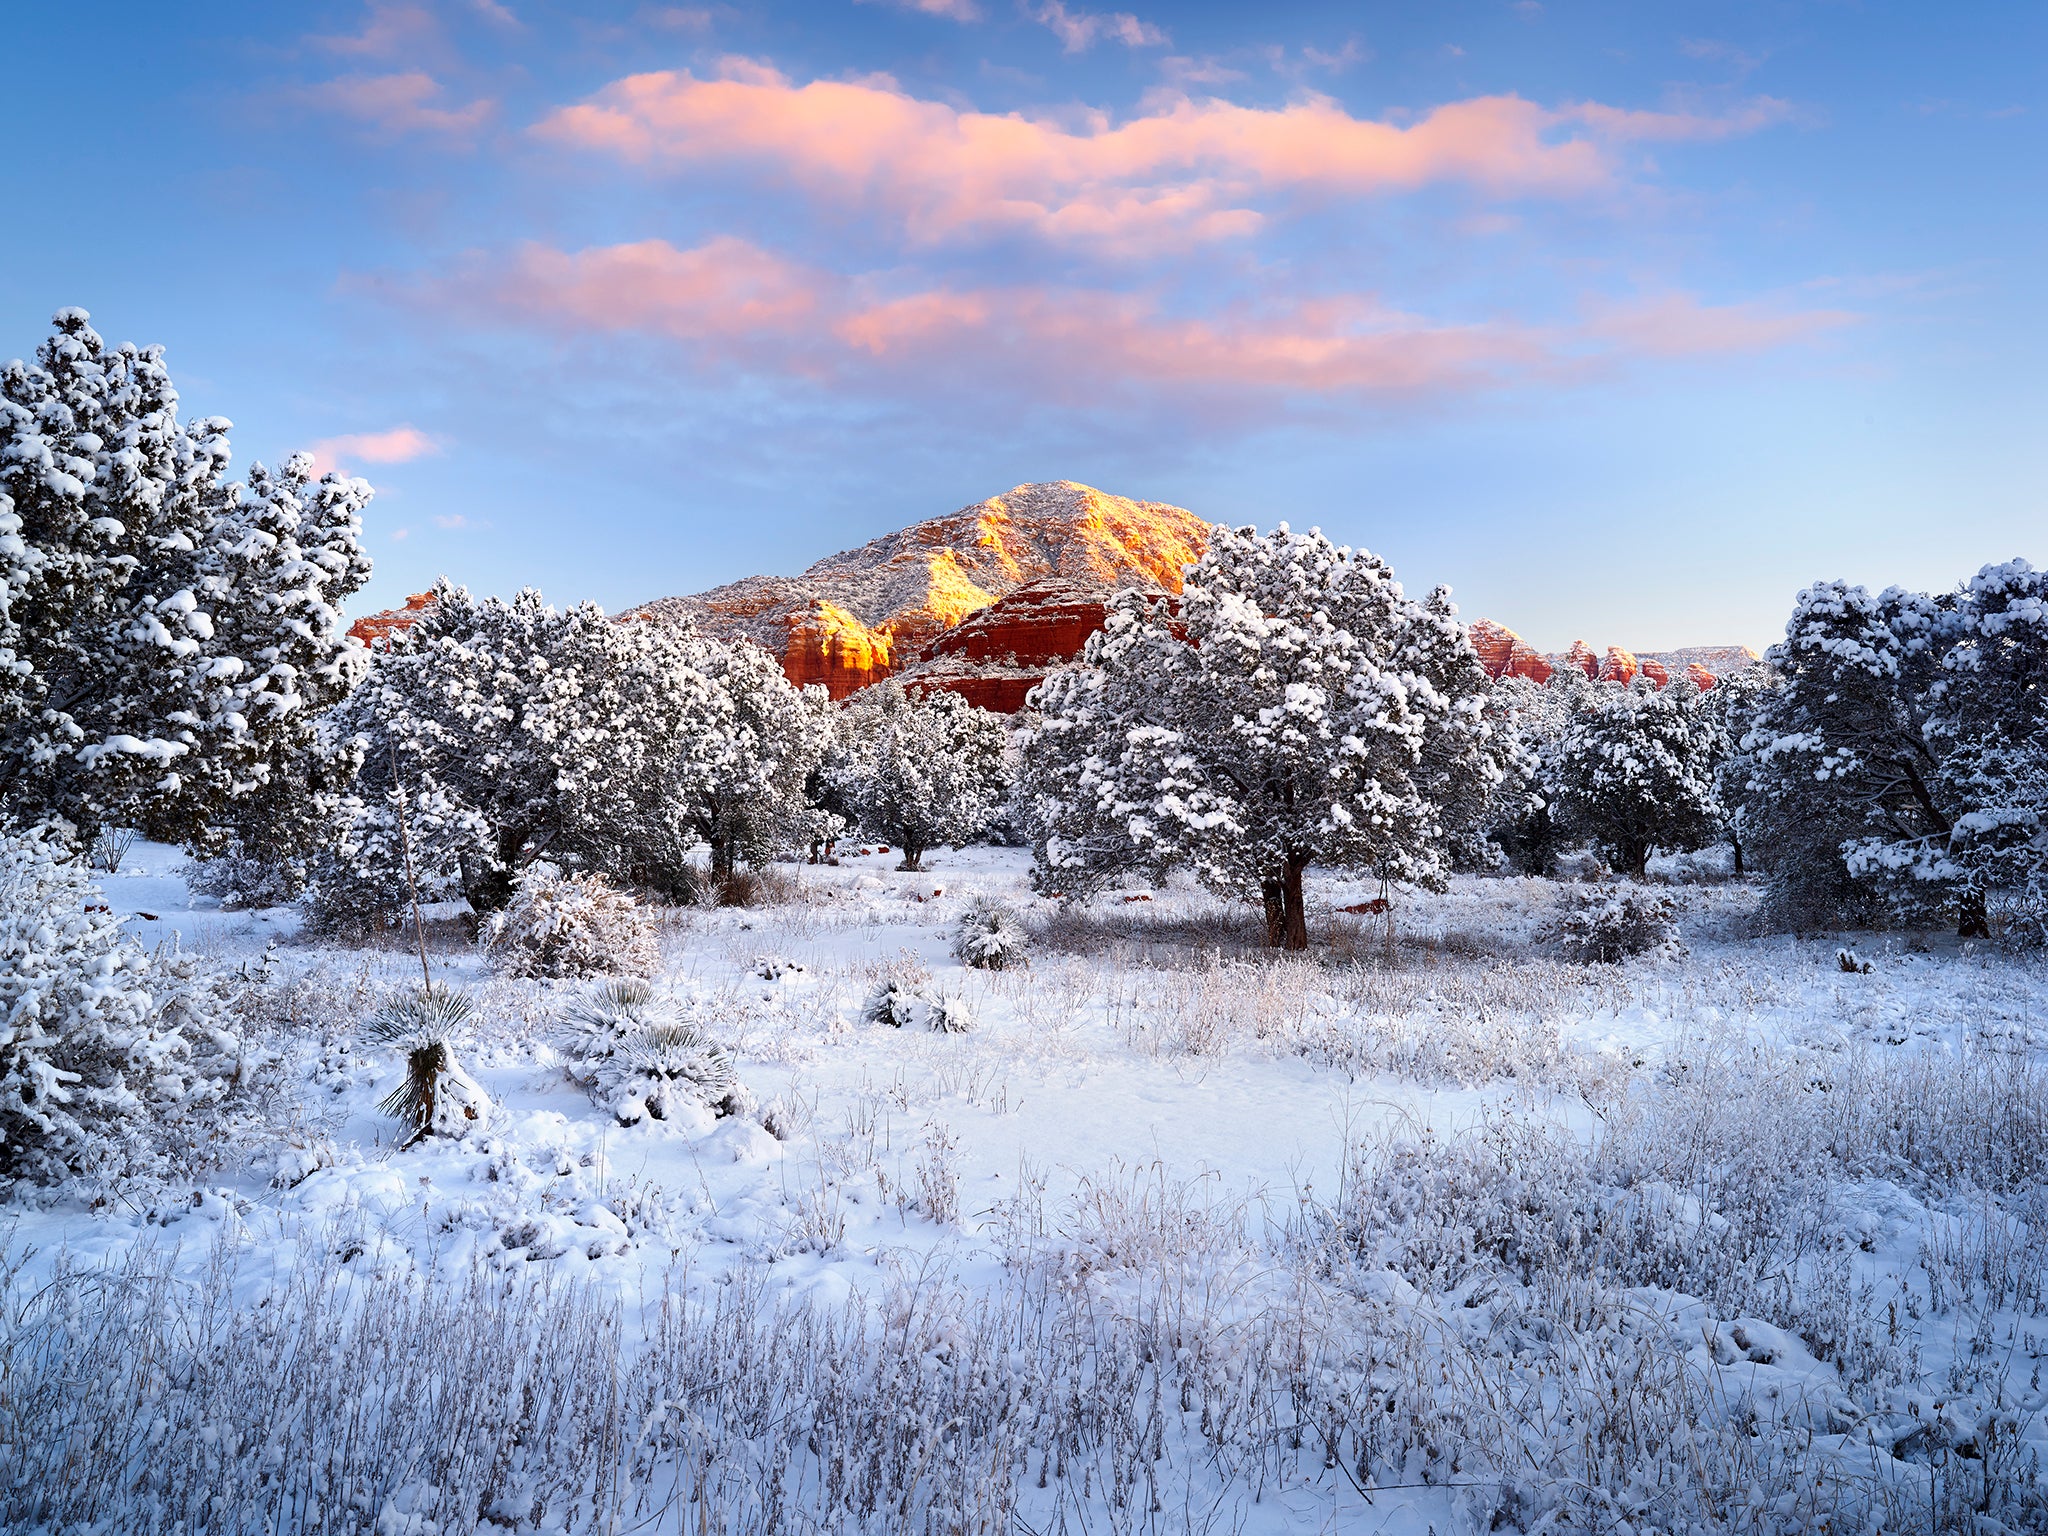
point(436, 1098)
point(641, 1059)
point(1610, 923)
point(571, 925)
point(88, 1056)
point(901, 1003)
point(990, 937)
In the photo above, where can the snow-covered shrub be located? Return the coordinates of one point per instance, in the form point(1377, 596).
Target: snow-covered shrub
point(642, 1059)
point(901, 1004)
point(240, 880)
point(895, 1003)
point(990, 937)
point(1607, 924)
point(86, 1055)
point(436, 1098)
point(571, 924)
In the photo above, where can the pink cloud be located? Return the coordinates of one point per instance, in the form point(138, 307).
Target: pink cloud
point(1675, 127)
point(1674, 325)
point(395, 105)
point(952, 10)
point(1185, 170)
point(390, 31)
point(1078, 31)
point(397, 445)
point(736, 306)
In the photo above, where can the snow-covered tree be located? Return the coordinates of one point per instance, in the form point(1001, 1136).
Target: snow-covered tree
point(85, 1053)
point(497, 722)
point(1290, 712)
point(1636, 772)
point(1841, 760)
point(165, 633)
point(922, 769)
point(737, 778)
point(1989, 720)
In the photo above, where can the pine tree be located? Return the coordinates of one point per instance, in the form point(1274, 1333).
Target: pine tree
point(737, 779)
point(496, 722)
point(922, 769)
point(164, 639)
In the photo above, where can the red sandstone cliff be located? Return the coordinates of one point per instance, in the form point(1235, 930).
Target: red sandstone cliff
point(1505, 653)
point(863, 615)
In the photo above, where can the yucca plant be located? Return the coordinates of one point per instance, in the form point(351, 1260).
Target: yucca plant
point(436, 1097)
point(990, 937)
point(656, 1070)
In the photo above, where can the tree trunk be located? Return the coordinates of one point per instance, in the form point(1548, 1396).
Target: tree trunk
point(913, 860)
point(721, 859)
point(1736, 844)
point(1297, 913)
point(1974, 922)
point(1274, 894)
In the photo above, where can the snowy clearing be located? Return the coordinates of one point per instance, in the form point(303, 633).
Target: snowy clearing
point(1177, 1234)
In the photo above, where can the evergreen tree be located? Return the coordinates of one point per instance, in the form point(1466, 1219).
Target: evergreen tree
point(1841, 762)
point(1289, 713)
point(165, 634)
point(1636, 772)
point(922, 769)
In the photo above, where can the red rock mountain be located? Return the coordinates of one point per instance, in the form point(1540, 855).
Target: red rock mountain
point(987, 601)
point(983, 602)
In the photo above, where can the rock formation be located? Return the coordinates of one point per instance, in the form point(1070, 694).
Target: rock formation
point(375, 629)
point(987, 601)
point(869, 613)
point(1506, 654)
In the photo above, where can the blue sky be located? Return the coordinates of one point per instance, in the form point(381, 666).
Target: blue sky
point(1625, 320)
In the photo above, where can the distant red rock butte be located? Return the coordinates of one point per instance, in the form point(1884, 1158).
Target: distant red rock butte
point(989, 600)
point(1504, 653)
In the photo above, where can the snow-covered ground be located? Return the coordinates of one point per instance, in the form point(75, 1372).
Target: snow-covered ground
point(1429, 1230)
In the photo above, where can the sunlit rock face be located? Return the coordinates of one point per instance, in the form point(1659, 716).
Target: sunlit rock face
point(376, 629)
point(857, 617)
point(1506, 654)
point(998, 654)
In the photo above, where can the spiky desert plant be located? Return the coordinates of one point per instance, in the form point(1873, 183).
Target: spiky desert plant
point(436, 1097)
point(990, 937)
point(655, 1070)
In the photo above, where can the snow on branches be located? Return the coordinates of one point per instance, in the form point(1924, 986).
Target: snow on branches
point(1296, 708)
point(166, 634)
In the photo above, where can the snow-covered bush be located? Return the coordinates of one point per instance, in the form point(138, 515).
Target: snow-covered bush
point(641, 1058)
point(1606, 924)
point(909, 1004)
point(991, 937)
point(436, 1097)
point(86, 1054)
point(572, 924)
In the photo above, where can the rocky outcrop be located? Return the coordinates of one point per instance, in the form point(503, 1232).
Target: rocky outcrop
point(998, 654)
point(375, 629)
point(1506, 654)
point(866, 614)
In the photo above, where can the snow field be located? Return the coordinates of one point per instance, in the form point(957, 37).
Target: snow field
point(1175, 1235)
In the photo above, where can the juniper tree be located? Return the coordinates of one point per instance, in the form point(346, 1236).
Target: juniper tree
point(1636, 772)
point(1290, 712)
point(166, 634)
point(922, 769)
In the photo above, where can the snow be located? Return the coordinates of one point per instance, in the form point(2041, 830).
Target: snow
point(1120, 1060)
